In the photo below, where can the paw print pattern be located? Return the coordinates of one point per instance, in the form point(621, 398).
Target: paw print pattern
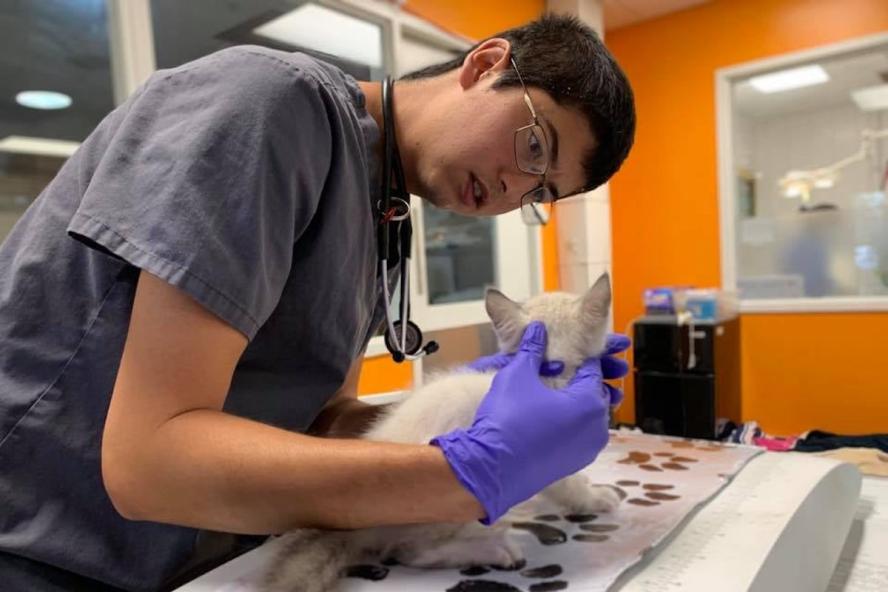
point(668, 461)
point(697, 445)
point(543, 572)
point(373, 573)
point(654, 493)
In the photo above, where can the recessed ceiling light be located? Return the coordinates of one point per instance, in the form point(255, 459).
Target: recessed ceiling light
point(309, 26)
point(789, 79)
point(871, 98)
point(43, 99)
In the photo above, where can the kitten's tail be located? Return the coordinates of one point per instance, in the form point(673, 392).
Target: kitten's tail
point(312, 560)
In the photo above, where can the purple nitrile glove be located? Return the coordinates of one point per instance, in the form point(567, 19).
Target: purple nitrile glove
point(612, 367)
point(525, 435)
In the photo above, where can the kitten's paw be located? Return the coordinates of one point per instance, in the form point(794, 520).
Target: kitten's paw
point(504, 555)
point(498, 551)
point(596, 498)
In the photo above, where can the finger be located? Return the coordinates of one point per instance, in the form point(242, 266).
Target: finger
point(552, 368)
point(533, 344)
point(587, 379)
point(615, 343)
point(614, 394)
point(612, 368)
point(494, 362)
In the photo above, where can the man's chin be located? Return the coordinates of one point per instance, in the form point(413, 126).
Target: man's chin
point(436, 200)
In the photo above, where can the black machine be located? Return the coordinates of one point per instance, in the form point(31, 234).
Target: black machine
point(687, 376)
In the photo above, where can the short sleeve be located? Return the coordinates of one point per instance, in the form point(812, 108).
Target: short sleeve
point(211, 175)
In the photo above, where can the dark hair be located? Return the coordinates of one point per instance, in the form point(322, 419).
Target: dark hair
point(567, 59)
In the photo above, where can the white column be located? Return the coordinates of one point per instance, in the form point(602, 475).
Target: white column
point(132, 45)
point(584, 223)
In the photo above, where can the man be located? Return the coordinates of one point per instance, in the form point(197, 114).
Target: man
point(194, 291)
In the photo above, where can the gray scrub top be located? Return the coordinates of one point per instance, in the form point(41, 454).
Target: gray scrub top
point(244, 179)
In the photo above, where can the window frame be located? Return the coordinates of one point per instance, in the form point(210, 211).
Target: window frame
point(727, 190)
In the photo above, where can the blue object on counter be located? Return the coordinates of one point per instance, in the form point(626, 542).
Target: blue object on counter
point(661, 301)
point(702, 304)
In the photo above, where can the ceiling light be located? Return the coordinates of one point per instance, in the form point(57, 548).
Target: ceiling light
point(872, 98)
point(789, 79)
point(310, 26)
point(38, 146)
point(43, 99)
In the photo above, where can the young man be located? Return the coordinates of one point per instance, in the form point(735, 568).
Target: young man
point(194, 291)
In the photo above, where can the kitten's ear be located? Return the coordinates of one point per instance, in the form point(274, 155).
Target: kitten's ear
point(595, 304)
point(508, 317)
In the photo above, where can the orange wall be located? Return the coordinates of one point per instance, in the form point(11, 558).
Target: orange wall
point(475, 20)
point(800, 371)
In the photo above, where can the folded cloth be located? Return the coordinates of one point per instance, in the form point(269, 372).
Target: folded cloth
point(817, 441)
point(870, 461)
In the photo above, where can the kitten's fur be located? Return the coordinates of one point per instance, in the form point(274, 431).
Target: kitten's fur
point(311, 560)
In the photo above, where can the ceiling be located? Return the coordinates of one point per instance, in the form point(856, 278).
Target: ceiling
point(848, 72)
point(622, 13)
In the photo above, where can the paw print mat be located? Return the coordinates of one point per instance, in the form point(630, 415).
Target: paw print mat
point(661, 481)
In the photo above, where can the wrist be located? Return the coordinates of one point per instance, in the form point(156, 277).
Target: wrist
point(462, 500)
point(477, 468)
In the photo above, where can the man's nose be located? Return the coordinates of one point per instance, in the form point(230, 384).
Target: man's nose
point(514, 183)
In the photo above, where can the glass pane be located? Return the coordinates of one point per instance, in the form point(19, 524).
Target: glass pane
point(63, 48)
point(459, 255)
point(185, 31)
point(811, 173)
point(838, 252)
point(418, 53)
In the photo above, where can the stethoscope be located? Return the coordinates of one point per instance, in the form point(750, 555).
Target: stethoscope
point(403, 338)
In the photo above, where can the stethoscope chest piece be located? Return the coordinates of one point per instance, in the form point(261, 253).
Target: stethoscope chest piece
point(412, 339)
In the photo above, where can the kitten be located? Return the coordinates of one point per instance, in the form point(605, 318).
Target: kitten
point(311, 560)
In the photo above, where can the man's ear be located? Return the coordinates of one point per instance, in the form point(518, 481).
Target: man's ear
point(490, 57)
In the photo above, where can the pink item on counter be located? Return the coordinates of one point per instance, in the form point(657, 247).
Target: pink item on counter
point(776, 444)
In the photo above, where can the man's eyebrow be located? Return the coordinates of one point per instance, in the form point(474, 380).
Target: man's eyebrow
point(553, 134)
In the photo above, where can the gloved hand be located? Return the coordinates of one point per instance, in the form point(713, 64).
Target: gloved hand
point(611, 367)
point(525, 435)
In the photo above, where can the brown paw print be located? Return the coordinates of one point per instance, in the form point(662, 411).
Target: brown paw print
point(660, 496)
point(657, 486)
point(653, 494)
point(670, 461)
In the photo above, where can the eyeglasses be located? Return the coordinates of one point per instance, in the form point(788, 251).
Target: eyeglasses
point(532, 156)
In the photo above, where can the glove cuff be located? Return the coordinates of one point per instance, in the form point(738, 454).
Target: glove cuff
point(475, 465)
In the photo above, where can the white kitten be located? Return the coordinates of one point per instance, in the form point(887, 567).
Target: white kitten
point(311, 560)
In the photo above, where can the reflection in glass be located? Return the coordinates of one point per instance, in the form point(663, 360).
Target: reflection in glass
point(818, 253)
point(60, 47)
point(811, 174)
point(22, 178)
point(185, 31)
point(459, 256)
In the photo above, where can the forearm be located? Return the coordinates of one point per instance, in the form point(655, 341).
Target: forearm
point(211, 470)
